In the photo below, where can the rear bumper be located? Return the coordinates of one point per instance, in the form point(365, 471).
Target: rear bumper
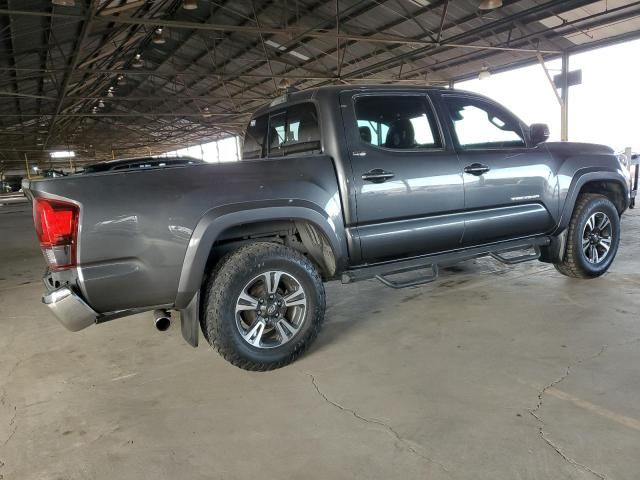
point(69, 309)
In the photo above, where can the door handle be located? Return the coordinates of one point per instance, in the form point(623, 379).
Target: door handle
point(377, 175)
point(476, 169)
point(359, 153)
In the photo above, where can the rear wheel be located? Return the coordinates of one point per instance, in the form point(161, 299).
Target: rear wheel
point(592, 239)
point(264, 306)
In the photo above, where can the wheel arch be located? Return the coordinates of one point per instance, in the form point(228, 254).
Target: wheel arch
point(231, 222)
point(608, 183)
point(612, 189)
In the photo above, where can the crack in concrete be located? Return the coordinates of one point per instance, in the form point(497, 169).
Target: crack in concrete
point(543, 435)
point(15, 429)
point(380, 423)
point(3, 401)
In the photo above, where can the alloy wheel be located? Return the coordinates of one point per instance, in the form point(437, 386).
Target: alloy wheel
point(271, 309)
point(597, 236)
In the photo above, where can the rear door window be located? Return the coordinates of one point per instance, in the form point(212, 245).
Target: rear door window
point(277, 133)
point(253, 146)
point(294, 131)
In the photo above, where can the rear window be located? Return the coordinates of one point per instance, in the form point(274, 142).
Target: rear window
point(292, 131)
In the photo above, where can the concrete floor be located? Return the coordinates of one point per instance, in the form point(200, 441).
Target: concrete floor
point(493, 373)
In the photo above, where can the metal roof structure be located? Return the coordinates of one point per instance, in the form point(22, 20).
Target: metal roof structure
point(100, 78)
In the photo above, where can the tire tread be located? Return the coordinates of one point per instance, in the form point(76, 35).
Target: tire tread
point(570, 266)
point(218, 294)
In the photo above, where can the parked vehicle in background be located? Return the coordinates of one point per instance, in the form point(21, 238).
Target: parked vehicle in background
point(52, 173)
point(137, 163)
point(340, 182)
point(635, 171)
point(12, 183)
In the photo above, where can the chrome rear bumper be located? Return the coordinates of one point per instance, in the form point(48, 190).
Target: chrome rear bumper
point(69, 309)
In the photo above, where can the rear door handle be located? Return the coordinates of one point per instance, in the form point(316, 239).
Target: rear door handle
point(377, 175)
point(476, 169)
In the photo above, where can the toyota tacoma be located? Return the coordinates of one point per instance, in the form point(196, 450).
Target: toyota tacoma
point(341, 182)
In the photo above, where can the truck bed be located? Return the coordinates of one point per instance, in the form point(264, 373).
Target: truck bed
point(135, 226)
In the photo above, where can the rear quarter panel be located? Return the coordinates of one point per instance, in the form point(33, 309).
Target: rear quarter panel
point(135, 227)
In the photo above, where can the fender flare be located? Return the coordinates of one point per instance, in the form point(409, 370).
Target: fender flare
point(218, 219)
point(579, 180)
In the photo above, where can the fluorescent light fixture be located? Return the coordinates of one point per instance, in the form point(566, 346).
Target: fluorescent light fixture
point(62, 154)
point(299, 55)
point(273, 44)
point(293, 53)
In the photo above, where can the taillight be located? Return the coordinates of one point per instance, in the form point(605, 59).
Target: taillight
point(57, 229)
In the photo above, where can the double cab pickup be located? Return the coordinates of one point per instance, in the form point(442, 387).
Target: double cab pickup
point(340, 182)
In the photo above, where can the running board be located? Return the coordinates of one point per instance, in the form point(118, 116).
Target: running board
point(409, 283)
point(517, 259)
point(383, 271)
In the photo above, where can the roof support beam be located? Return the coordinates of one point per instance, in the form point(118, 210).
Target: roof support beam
point(84, 33)
point(259, 30)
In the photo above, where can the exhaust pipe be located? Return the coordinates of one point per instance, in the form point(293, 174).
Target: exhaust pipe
point(162, 319)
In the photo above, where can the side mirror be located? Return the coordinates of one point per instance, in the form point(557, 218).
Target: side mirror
point(538, 133)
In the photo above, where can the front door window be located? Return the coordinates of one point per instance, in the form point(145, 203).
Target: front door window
point(481, 125)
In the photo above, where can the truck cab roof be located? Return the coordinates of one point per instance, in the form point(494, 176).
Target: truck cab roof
point(335, 91)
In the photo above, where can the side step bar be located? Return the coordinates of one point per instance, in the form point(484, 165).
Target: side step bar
point(433, 263)
point(410, 283)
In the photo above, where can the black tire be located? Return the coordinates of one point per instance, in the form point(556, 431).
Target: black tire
point(222, 295)
point(575, 262)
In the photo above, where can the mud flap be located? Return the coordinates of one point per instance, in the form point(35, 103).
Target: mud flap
point(190, 322)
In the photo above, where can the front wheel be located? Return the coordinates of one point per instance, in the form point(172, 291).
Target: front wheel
point(592, 239)
point(264, 306)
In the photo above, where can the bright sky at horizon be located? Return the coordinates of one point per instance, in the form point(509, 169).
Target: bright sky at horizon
point(604, 109)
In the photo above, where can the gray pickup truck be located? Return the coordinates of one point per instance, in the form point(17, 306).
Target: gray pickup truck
point(341, 182)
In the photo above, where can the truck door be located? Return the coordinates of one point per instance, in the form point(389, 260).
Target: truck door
point(408, 184)
point(509, 186)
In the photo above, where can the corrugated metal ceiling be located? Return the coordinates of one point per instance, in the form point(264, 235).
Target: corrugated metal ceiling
point(224, 59)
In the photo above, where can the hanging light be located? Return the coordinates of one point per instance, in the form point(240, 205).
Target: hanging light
point(100, 104)
point(284, 84)
point(157, 38)
point(137, 62)
point(110, 94)
point(490, 4)
point(205, 112)
point(122, 80)
point(484, 74)
point(190, 4)
point(64, 3)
